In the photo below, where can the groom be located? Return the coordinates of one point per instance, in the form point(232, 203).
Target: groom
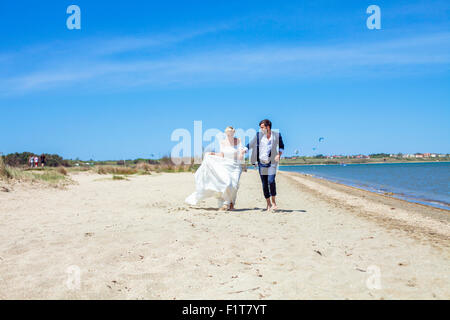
point(267, 148)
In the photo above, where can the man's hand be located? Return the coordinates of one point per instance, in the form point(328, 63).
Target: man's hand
point(277, 158)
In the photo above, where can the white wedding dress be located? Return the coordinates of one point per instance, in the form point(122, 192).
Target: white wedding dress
point(218, 176)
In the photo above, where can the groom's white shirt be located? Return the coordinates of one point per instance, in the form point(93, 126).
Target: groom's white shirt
point(265, 146)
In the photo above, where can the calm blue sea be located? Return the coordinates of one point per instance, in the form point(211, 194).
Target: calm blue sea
point(426, 183)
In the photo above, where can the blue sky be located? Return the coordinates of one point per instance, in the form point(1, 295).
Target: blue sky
point(138, 70)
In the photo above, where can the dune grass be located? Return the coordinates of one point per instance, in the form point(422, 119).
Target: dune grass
point(51, 176)
point(5, 172)
point(116, 170)
point(62, 171)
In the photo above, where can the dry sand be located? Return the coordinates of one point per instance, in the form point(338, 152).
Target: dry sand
point(136, 239)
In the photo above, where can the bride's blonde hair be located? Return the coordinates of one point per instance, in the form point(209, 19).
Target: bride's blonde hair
point(229, 128)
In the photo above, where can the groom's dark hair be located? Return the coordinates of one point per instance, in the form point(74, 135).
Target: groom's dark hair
point(267, 123)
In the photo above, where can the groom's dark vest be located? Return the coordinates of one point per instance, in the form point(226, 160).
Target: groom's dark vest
point(254, 144)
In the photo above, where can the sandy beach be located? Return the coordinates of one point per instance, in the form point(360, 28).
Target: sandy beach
point(137, 239)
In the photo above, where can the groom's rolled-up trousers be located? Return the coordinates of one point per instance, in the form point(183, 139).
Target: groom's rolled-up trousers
point(268, 175)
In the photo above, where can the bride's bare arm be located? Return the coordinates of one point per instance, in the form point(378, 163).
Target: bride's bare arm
point(242, 150)
point(219, 154)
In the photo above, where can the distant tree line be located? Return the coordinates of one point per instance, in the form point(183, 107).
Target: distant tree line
point(379, 155)
point(22, 159)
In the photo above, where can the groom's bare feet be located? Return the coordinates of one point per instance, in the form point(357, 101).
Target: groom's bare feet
point(269, 205)
point(224, 208)
point(274, 204)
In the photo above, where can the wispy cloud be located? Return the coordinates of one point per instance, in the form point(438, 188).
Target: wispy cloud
point(146, 61)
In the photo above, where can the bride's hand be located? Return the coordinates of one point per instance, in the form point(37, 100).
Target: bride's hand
point(241, 154)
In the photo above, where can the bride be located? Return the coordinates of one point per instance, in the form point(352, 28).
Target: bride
point(218, 176)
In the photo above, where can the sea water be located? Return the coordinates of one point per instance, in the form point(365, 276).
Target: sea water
point(426, 183)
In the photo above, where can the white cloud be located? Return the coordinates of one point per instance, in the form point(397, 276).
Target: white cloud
point(95, 64)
